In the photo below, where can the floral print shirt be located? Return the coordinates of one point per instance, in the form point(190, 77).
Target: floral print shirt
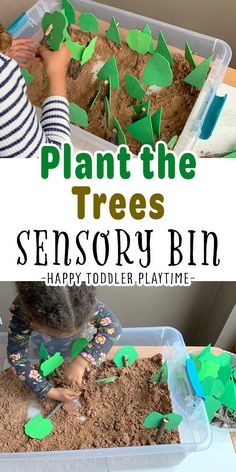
point(106, 331)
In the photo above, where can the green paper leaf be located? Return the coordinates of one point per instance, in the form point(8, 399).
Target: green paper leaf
point(109, 71)
point(76, 49)
point(134, 88)
point(162, 374)
point(156, 122)
point(213, 387)
point(38, 427)
point(89, 51)
point(78, 115)
point(147, 31)
point(138, 41)
point(138, 108)
point(229, 397)
point(107, 379)
point(197, 77)
point(69, 12)
point(224, 374)
point(212, 406)
point(27, 76)
point(171, 144)
point(95, 99)
point(89, 22)
point(206, 350)
point(142, 130)
point(208, 369)
point(78, 346)
point(121, 135)
point(154, 419)
point(113, 32)
point(47, 367)
point(157, 72)
point(43, 353)
point(174, 421)
point(163, 49)
point(107, 110)
point(189, 56)
point(224, 360)
point(59, 24)
point(128, 351)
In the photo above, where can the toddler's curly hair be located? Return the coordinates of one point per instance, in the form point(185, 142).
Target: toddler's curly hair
point(62, 309)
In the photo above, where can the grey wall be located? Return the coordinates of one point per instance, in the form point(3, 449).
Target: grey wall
point(215, 18)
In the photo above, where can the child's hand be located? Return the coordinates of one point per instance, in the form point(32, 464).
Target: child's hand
point(75, 371)
point(21, 49)
point(55, 62)
point(62, 395)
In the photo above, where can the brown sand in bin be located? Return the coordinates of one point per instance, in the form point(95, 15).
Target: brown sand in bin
point(177, 100)
point(114, 411)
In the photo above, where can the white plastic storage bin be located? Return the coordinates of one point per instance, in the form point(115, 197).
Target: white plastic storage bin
point(207, 108)
point(194, 430)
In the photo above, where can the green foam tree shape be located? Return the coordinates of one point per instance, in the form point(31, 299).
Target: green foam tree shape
point(142, 106)
point(198, 76)
point(89, 51)
point(109, 71)
point(113, 32)
point(38, 427)
point(89, 22)
point(147, 31)
point(121, 138)
point(157, 72)
point(134, 88)
point(138, 41)
point(78, 346)
point(59, 28)
point(189, 56)
point(69, 12)
point(130, 352)
point(78, 115)
point(27, 76)
point(154, 419)
point(162, 374)
point(76, 49)
point(156, 122)
point(50, 365)
point(163, 49)
point(142, 130)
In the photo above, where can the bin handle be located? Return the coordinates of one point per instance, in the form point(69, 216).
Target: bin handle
point(194, 379)
point(212, 117)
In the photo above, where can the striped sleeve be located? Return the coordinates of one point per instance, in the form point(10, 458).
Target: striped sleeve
point(21, 132)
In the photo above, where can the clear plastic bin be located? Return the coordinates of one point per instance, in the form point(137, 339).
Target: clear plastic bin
point(200, 122)
point(194, 430)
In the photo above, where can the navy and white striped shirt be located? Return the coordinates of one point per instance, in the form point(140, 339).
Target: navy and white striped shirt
point(21, 133)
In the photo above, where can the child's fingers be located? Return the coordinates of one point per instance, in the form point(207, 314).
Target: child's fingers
point(21, 47)
point(20, 54)
point(23, 41)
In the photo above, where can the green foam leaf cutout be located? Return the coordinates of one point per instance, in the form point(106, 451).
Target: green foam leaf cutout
point(138, 41)
point(50, 365)
point(130, 352)
point(69, 12)
point(212, 406)
point(109, 71)
point(43, 353)
point(59, 26)
point(107, 379)
point(89, 51)
point(213, 387)
point(139, 109)
point(154, 419)
point(89, 22)
point(78, 115)
point(113, 32)
point(142, 130)
point(78, 346)
point(27, 76)
point(156, 122)
point(189, 56)
point(134, 88)
point(198, 76)
point(157, 72)
point(162, 374)
point(229, 397)
point(147, 31)
point(171, 144)
point(38, 427)
point(163, 49)
point(107, 110)
point(76, 49)
point(121, 138)
point(94, 99)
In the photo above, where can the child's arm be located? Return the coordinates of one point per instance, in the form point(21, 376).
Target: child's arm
point(108, 332)
point(21, 133)
point(18, 341)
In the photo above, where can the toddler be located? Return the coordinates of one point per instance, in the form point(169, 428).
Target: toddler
point(61, 315)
